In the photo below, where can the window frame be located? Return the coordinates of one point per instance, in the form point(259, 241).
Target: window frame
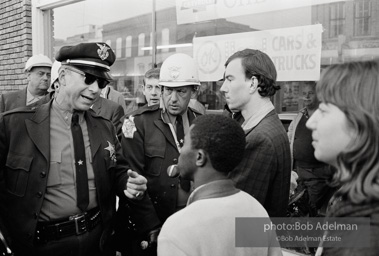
point(362, 19)
point(336, 22)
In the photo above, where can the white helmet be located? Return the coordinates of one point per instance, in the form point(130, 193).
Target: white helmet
point(179, 70)
point(55, 72)
point(38, 60)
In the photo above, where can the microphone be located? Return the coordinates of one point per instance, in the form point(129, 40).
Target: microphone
point(172, 171)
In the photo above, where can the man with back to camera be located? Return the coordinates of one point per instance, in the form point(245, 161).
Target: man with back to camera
point(37, 70)
point(111, 94)
point(152, 140)
point(265, 170)
point(61, 165)
point(212, 148)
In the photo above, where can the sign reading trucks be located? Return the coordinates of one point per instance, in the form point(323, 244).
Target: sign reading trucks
point(296, 52)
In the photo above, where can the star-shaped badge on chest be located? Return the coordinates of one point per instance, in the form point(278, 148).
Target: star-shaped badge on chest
point(112, 152)
point(80, 162)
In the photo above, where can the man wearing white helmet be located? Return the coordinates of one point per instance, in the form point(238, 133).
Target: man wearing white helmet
point(151, 142)
point(38, 71)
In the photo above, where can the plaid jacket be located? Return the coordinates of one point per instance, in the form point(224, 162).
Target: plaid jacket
point(265, 169)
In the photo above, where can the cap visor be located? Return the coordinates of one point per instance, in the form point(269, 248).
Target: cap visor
point(101, 73)
point(177, 84)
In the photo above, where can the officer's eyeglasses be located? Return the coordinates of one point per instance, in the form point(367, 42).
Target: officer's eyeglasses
point(90, 79)
point(181, 92)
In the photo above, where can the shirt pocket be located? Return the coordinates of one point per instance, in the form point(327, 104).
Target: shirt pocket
point(154, 157)
point(17, 173)
point(54, 177)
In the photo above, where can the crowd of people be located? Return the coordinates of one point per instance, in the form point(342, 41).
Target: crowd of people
point(69, 148)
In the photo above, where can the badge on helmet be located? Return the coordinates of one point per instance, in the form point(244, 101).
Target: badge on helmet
point(179, 70)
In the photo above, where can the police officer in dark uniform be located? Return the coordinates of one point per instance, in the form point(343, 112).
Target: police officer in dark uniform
point(62, 165)
point(151, 141)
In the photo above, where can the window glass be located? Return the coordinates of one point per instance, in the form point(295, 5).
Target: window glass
point(301, 37)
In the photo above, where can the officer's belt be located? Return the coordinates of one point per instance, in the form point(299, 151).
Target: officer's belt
point(73, 225)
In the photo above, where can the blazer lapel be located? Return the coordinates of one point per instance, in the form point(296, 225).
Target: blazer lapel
point(38, 128)
point(191, 116)
point(165, 129)
point(97, 106)
point(94, 133)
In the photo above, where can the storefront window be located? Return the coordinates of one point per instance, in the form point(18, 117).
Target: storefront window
point(301, 37)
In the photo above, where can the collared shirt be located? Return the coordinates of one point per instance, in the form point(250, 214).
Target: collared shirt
point(257, 116)
point(30, 98)
point(171, 121)
point(60, 196)
point(214, 189)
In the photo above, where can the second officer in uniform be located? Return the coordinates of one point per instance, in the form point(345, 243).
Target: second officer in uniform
point(152, 139)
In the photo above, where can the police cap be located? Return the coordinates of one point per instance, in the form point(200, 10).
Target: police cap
point(92, 58)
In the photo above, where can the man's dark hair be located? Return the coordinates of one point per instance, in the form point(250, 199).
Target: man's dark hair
point(260, 65)
point(151, 73)
point(222, 138)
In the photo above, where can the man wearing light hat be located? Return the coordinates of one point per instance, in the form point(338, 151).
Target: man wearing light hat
point(152, 139)
point(37, 70)
point(61, 165)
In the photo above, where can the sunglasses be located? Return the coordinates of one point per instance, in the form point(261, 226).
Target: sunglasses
point(90, 79)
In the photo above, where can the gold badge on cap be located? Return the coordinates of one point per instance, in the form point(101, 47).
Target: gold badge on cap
point(174, 72)
point(103, 51)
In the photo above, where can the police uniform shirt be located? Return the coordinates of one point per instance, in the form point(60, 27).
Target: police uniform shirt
point(182, 195)
point(30, 99)
point(60, 197)
point(172, 120)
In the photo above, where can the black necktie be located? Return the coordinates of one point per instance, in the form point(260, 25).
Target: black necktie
point(179, 130)
point(184, 184)
point(80, 163)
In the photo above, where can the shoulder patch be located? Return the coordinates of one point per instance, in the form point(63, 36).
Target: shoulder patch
point(129, 127)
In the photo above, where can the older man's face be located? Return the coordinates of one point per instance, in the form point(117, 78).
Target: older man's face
point(176, 99)
point(74, 93)
point(39, 79)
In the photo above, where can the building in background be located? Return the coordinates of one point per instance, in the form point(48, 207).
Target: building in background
point(350, 32)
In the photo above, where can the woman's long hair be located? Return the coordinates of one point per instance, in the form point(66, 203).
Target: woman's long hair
point(354, 88)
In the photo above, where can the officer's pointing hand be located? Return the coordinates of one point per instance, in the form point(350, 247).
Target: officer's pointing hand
point(136, 185)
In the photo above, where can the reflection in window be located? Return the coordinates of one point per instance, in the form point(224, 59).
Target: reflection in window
point(165, 38)
point(118, 47)
point(141, 43)
point(362, 15)
point(337, 19)
point(128, 49)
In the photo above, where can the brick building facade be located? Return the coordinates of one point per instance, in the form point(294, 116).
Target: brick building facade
point(15, 43)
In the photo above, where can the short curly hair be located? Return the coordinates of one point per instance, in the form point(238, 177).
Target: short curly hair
point(258, 64)
point(222, 138)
